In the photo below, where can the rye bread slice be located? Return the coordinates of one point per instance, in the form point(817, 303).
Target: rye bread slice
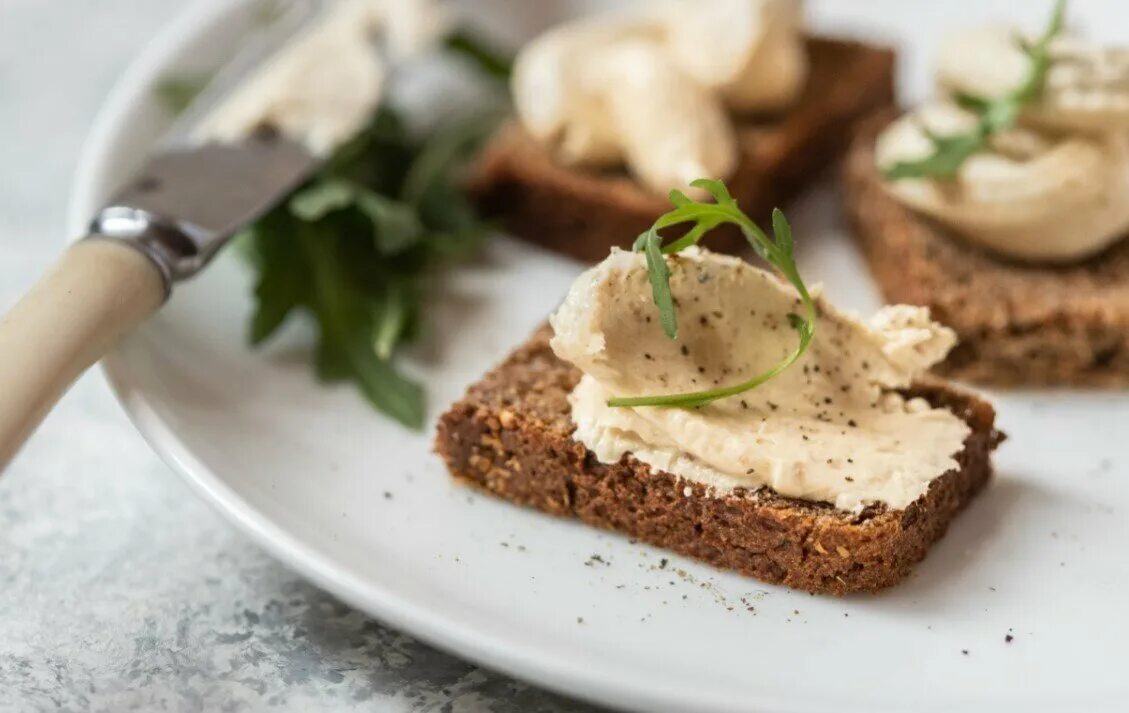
point(583, 213)
point(511, 435)
point(1018, 324)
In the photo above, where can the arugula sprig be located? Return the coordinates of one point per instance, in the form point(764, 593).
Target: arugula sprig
point(356, 246)
point(488, 59)
point(993, 115)
point(777, 251)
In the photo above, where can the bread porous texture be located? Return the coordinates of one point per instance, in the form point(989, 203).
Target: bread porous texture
point(511, 435)
point(1018, 324)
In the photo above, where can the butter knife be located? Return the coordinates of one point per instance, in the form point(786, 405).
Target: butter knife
point(169, 220)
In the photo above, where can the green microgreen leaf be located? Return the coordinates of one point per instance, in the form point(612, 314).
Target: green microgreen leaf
point(715, 188)
point(678, 198)
point(993, 115)
point(778, 251)
point(660, 284)
point(782, 231)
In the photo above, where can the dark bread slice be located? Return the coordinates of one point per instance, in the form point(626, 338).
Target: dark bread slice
point(1018, 324)
point(512, 436)
point(584, 213)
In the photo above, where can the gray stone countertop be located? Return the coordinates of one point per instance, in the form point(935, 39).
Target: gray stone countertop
point(119, 590)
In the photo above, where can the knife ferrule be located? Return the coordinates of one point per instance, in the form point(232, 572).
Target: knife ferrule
point(185, 204)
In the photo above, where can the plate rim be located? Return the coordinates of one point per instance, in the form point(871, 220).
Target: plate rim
point(469, 639)
point(475, 644)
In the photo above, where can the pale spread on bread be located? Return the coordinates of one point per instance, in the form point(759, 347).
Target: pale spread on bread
point(1087, 86)
point(1054, 188)
point(636, 87)
point(834, 427)
point(322, 88)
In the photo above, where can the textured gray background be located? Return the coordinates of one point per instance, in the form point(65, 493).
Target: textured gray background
point(119, 590)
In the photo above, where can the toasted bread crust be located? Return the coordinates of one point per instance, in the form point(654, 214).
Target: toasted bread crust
point(512, 436)
point(584, 213)
point(1034, 325)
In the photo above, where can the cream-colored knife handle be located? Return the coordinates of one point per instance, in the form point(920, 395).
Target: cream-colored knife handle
point(97, 293)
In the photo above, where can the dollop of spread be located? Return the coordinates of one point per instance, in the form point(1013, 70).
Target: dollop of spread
point(653, 87)
point(834, 427)
point(1086, 88)
point(322, 88)
point(1052, 189)
point(1036, 195)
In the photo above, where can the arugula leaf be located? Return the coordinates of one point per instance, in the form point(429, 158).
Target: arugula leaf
point(340, 308)
point(391, 318)
point(330, 364)
point(949, 153)
point(660, 283)
point(778, 251)
point(395, 225)
point(354, 246)
point(320, 199)
point(279, 287)
point(993, 115)
point(490, 61)
point(175, 93)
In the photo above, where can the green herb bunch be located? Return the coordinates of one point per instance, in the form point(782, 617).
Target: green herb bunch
point(993, 114)
point(355, 246)
point(778, 251)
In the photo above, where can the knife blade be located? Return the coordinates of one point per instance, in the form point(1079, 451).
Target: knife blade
point(184, 204)
point(174, 215)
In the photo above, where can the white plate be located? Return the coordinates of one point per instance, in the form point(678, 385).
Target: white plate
point(364, 509)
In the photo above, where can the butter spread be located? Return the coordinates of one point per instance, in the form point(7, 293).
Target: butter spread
point(635, 87)
point(1035, 195)
point(647, 85)
point(1054, 188)
point(831, 428)
point(323, 86)
point(756, 59)
point(1086, 88)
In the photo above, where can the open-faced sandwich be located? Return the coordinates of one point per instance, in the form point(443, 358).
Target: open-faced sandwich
point(1003, 206)
point(699, 403)
point(614, 110)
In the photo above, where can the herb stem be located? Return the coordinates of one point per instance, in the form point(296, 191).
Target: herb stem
point(778, 251)
point(993, 115)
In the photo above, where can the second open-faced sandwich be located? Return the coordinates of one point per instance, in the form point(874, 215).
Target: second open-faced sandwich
point(702, 404)
point(1004, 206)
point(616, 109)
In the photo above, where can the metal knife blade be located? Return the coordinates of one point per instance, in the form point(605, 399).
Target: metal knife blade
point(184, 203)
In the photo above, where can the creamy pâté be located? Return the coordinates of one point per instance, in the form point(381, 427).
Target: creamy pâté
point(322, 87)
point(834, 427)
point(1052, 189)
point(653, 87)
